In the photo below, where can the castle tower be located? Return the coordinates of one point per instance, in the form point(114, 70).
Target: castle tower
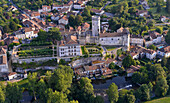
point(95, 25)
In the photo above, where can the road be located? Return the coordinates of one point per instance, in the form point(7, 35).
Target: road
point(105, 5)
point(162, 24)
point(104, 50)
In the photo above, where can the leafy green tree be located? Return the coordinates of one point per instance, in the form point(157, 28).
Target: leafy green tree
point(73, 101)
point(62, 62)
point(128, 61)
point(55, 97)
point(126, 96)
point(114, 1)
point(71, 20)
point(143, 93)
point(113, 93)
point(111, 66)
point(2, 43)
point(98, 99)
point(150, 86)
point(2, 95)
point(161, 87)
point(159, 30)
point(167, 38)
point(41, 87)
point(145, 28)
point(168, 79)
point(168, 6)
point(159, 8)
point(119, 52)
point(61, 79)
point(86, 13)
point(13, 93)
point(86, 89)
point(13, 26)
point(153, 47)
point(55, 35)
point(163, 61)
point(6, 29)
point(32, 83)
point(79, 20)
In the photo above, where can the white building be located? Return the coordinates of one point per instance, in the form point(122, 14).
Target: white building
point(79, 5)
point(63, 20)
point(95, 25)
point(155, 37)
point(117, 39)
point(164, 51)
point(136, 40)
point(69, 47)
point(45, 8)
point(97, 12)
point(26, 32)
point(12, 75)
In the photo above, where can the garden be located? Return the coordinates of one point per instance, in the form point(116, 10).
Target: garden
point(91, 49)
point(35, 53)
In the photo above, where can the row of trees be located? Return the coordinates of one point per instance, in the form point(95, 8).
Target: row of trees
point(75, 20)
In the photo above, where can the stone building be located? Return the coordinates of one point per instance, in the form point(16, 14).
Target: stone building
point(95, 25)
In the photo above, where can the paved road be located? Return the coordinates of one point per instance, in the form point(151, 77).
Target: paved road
point(162, 24)
point(104, 50)
point(105, 5)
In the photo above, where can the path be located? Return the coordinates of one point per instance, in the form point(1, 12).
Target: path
point(105, 5)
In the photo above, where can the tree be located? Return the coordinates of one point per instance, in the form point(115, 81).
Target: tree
point(55, 97)
point(6, 29)
point(153, 47)
point(99, 99)
point(161, 87)
point(54, 34)
point(32, 83)
point(114, 1)
point(168, 6)
point(159, 8)
point(2, 95)
point(119, 52)
point(111, 66)
point(13, 92)
point(159, 30)
point(62, 62)
point(163, 61)
point(126, 96)
point(86, 90)
point(79, 20)
point(86, 13)
point(145, 28)
point(143, 93)
point(167, 38)
point(2, 43)
point(61, 79)
point(113, 93)
point(41, 87)
point(128, 61)
point(13, 26)
point(71, 20)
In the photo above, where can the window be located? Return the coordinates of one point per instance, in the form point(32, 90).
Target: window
point(117, 39)
point(112, 38)
point(74, 53)
point(101, 39)
point(74, 46)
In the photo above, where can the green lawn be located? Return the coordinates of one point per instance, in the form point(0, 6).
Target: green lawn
point(82, 50)
point(109, 48)
point(23, 83)
point(160, 100)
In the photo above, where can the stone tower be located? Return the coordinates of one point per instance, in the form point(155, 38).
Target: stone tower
point(95, 25)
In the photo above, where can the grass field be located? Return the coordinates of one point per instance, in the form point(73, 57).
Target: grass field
point(163, 11)
point(109, 48)
point(160, 100)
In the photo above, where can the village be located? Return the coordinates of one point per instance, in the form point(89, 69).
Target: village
point(93, 48)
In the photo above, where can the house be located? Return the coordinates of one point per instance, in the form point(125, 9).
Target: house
point(147, 41)
point(136, 40)
point(105, 26)
point(34, 14)
point(69, 46)
point(163, 18)
point(11, 39)
point(79, 5)
point(164, 52)
point(3, 60)
point(12, 75)
point(142, 13)
point(139, 52)
point(97, 12)
point(12, 8)
point(56, 16)
point(23, 17)
point(26, 32)
point(63, 20)
point(31, 23)
point(45, 8)
point(85, 27)
point(155, 37)
point(132, 69)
